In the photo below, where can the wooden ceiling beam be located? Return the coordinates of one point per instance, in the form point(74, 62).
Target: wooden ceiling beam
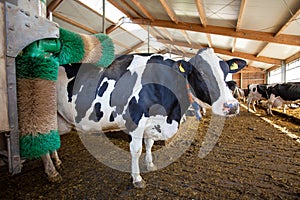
point(272, 68)
point(110, 28)
point(121, 8)
point(182, 54)
point(280, 31)
point(186, 36)
point(154, 31)
point(201, 12)
point(231, 32)
point(74, 23)
point(248, 56)
point(129, 50)
point(240, 17)
point(262, 50)
point(226, 52)
point(293, 57)
point(233, 45)
point(52, 6)
point(177, 48)
point(238, 23)
point(143, 9)
point(131, 8)
point(209, 41)
point(288, 60)
point(167, 34)
point(294, 17)
point(78, 25)
point(169, 10)
point(90, 30)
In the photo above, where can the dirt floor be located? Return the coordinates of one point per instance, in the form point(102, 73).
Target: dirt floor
point(251, 160)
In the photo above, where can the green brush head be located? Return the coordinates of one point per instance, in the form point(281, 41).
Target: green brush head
point(97, 49)
point(33, 146)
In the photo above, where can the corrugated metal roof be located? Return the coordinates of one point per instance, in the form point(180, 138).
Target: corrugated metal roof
point(262, 32)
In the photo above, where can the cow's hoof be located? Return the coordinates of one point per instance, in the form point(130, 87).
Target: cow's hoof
point(59, 167)
point(139, 184)
point(151, 168)
point(55, 179)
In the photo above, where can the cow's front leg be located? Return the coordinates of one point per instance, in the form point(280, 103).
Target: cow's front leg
point(53, 175)
point(203, 111)
point(149, 162)
point(269, 108)
point(248, 104)
point(284, 108)
point(57, 161)
point(253, 105)
point(136, 151)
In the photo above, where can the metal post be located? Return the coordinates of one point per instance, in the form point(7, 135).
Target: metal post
point(283, 71)
point(13, 137)
point(103, 18)
point(148, 38)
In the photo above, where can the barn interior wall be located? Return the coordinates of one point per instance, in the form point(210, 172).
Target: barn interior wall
point(244, 78)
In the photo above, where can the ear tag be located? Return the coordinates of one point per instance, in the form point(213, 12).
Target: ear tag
point(234, 66)
point(181, 69)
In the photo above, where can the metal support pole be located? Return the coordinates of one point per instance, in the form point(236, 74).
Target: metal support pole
point(12, 138)
point(283, 71)
point(148, 38)
point(103, 18)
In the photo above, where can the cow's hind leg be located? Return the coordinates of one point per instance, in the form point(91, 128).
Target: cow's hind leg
point(53, 175)
point(57, 161)
point(149, 162)
point(136, 145)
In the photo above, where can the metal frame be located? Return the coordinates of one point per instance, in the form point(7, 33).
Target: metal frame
point(22, 28)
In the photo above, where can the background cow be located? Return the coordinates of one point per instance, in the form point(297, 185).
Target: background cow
point(282, 94)
point(237, 92)
point(144, 95)
point(256, 92)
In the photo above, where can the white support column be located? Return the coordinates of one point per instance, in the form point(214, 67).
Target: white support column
point(283, 71)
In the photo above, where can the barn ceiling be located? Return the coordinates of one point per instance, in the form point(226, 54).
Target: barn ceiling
point(264, 33)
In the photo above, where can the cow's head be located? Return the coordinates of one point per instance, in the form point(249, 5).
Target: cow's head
point(208, 82)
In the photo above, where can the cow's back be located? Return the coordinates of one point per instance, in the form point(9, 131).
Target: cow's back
point(287, 91)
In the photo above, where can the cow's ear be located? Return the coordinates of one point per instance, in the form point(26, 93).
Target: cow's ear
point(184, 67)
point(236, 64)
point(225, 68)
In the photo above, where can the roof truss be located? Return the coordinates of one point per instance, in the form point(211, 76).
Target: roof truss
point(231, 32)
point(136, 8)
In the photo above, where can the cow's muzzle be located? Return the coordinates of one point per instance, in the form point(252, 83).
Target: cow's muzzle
point(231, 108)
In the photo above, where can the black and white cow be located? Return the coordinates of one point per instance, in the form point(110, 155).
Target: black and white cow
point(237, 92)
point(232, 85)
point(256, 92)
point(145, 95)
point(284, 93)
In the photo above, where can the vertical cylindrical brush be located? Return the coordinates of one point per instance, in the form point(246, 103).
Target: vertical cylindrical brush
point(36, 78)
